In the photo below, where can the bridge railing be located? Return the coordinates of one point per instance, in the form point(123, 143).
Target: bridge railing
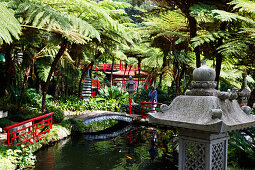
point(150, 106)
point(24, 132)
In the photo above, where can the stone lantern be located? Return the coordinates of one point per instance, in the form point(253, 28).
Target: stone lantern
point(203, 118)
point(130, 89)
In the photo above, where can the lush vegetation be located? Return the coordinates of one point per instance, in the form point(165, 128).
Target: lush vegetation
point(46, 49)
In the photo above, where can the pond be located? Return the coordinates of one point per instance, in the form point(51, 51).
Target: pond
point(140, 148)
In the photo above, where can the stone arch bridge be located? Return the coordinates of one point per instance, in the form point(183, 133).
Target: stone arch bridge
point(97, 116)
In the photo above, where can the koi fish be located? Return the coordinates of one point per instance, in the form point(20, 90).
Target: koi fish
point(129, 157)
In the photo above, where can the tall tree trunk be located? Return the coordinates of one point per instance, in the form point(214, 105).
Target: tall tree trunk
point(56, 90)
point(187, 85)
point(162, 69)
point(177, 90)
point(61, 51)
point(112, 70)
point(124, 75)
point(193, 33)
point(62, 85)
point(27, 71)
point(218, 69)
point(219, 56)
point(9, 66)
point(129, 70)
point(251, 99)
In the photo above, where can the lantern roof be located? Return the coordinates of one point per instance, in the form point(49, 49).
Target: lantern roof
point(204, 108)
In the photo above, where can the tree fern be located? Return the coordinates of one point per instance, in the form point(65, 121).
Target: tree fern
point(43, 69)
point(229, 17)
point(42, 16)
point(244, 5)
point(208, 37)
point(9, 25)
point(205, 13)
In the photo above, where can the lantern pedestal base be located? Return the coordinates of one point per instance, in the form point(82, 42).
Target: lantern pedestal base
point(202, 151)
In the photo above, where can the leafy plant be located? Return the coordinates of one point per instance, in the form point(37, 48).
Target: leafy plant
point(76, 126)
point(4, 122)
point(58, 115)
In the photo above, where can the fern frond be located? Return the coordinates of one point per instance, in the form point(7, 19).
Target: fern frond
point(42, 16)
point(208, 37)
point(202, 13)
point(113, 5)
point(236, 47)
point(83, 27)
point(230, 17)
point(244, 5)
point(9, 25)
point(43, 69)
point(205, 13)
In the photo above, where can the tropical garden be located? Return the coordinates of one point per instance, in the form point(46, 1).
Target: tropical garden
point(48, 46)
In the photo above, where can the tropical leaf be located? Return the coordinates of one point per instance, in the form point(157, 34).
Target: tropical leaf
point(230, 17)
point(244, 5)
point(9, 26)
point(208, 37)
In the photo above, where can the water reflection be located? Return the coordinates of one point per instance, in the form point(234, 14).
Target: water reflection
point(140, 148)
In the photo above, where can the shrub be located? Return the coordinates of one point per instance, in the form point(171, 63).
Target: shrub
point(17, 155)
point(4, 122)
point(58, 115)
point(26, 112)
point(32, 97)
point(76, 126)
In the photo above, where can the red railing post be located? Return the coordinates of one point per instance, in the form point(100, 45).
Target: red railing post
point(147, 106)
point(29, 129)
point(130, 107)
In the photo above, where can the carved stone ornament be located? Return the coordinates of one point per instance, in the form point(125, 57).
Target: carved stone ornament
point(205, 108)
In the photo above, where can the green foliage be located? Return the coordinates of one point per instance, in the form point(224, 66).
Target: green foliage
point(205, 13)
point(76, 126)
point(209, 37)
point(19, 155)
point(9, 26)
point(43, 69)
point(39, 15)
point(101, 125)
point(72, 103)
point(58, 115)
point(244, 5)
point(32, 97)
point(241, 150)
point(4, 122)
point(114, 93)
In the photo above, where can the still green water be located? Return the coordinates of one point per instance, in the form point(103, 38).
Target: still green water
point(140, 148)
